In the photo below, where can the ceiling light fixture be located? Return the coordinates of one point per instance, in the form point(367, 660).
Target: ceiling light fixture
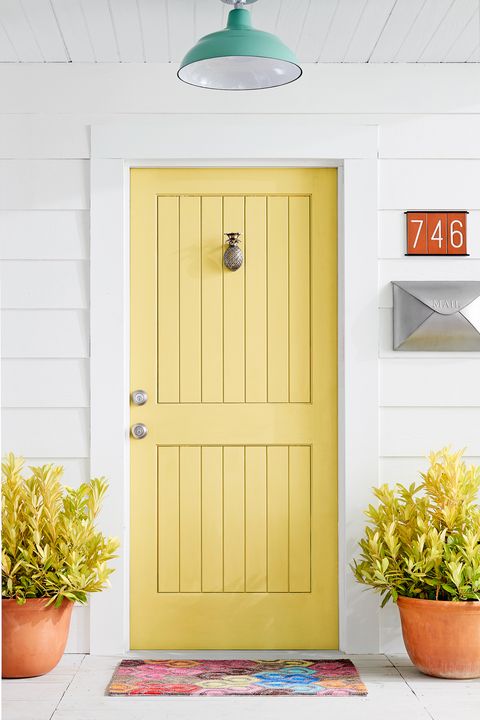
point(239, 57)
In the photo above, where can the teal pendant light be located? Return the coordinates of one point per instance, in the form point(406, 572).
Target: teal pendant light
point(239, 57)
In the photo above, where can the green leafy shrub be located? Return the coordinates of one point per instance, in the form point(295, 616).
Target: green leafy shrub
point(423, 541)
point(51, 547)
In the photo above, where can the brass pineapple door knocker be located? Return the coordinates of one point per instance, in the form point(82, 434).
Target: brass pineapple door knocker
point(233, 256)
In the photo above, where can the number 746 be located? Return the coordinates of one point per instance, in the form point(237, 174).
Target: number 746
point(436, 233)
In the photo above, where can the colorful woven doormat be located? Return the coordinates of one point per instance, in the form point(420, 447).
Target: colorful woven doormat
point(338, 678)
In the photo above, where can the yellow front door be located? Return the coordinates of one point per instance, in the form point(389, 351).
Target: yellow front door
point(234, 489)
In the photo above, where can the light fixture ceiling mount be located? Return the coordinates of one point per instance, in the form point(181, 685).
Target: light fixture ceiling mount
point(239, 57)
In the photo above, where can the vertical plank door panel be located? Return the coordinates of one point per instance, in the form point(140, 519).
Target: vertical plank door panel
point(190, 520)
point(299, 296)
point(299, 519)
point(168, 299)
point(212, 520)
point(256, 519)
point(233, 519)
point(190, 301)
point(278, 360)
point(212, 300)
point(278, 511)
point(168, 519)
point(234, 309)
point(256, 299)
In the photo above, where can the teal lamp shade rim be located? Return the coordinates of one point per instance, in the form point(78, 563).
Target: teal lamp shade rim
point(240, 40)
point(294, 77)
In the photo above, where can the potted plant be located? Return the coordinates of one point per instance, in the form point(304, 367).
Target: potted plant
point(422, 550)
point(52, 556)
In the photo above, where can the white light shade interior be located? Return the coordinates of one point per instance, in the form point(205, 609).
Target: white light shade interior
point(239, 73)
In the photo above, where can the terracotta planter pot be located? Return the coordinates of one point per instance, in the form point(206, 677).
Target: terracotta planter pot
point(442, 638)
point(34, 636)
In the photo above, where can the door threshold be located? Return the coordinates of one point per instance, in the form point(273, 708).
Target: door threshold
point(234, 654)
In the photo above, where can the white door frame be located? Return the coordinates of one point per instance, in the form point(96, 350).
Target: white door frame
point(265, 141)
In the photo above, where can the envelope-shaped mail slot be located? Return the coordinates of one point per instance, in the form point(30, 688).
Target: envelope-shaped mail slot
point(442, 316)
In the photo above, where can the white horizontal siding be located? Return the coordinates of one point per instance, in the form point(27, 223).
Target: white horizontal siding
point(430, 184)
point(392, 241)
point(404, 136)
point(391, 234)
point(32, 137)
point(113, 88)
point(416, 431)
point(45, 383)
point(400, 136)
point(45, 334)
point(44, 235)
point(430, 136)
point(46, 432)
point(44, 284)
point(442, 382)
point(44, 185)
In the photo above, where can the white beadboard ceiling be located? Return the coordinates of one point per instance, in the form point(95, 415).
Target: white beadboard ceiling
point(349, 31)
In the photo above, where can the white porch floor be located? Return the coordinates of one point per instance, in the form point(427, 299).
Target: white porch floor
point(74, 690)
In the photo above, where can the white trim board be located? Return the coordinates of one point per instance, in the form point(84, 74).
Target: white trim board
point(353, 149)
point(256, 138)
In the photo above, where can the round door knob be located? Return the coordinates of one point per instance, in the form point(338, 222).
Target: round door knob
point(139, 397)
point(139, 431)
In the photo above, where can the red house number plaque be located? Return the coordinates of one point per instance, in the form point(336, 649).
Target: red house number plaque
point(437, 233)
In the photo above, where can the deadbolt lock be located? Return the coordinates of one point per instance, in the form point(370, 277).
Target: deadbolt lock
point(139, 431)
point(139, 397)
